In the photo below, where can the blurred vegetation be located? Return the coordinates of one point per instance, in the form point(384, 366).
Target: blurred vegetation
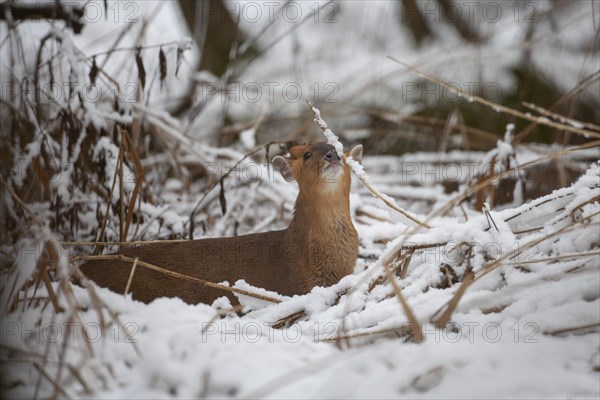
point(479, 127)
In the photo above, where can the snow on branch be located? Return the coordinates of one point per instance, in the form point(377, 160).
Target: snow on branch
point(566, 125)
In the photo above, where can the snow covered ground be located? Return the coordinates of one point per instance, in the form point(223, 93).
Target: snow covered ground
point(524, 328)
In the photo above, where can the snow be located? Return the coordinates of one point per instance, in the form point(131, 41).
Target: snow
point(250, 303)
point(528, 328)
point(185, 43)
point(248, 138)
point(331, 137)
point(502, 340)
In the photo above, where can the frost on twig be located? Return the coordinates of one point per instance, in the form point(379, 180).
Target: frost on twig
point(358, 170)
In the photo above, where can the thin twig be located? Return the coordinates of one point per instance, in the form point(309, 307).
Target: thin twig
point(573, 329)
point(401, 330)
point(561, 118)
point(556, 258)
point(109, 202)
point(54, 384)
point(130, 276)
point(123, 243)
point(414, 324)
point(180, 276)
point(498, 107)
point(21, 203)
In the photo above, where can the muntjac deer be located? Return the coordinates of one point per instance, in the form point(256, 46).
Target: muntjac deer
point(319, 247)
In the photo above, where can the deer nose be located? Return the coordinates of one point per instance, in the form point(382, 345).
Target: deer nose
point(331, 156)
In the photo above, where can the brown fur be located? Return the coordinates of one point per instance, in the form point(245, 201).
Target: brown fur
point(318, 248)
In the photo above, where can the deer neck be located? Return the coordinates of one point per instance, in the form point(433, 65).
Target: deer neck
point(314, 217)
point(324, 228)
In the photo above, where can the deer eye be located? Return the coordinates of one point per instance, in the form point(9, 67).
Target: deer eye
point(307, 155)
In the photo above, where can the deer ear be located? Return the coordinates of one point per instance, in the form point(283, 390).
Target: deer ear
point(284, 168)
point(356, 153)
